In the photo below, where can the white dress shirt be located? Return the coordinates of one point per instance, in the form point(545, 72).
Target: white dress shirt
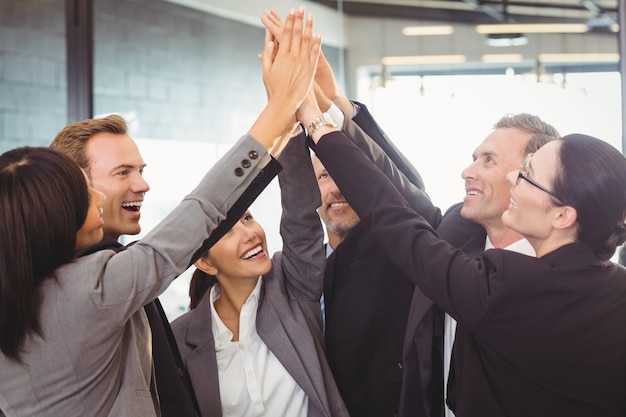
point(521, 246)
point(253, 383)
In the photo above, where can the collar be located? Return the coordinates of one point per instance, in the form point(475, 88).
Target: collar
point(106, 243)
point(221, 334)
point(576, 254)
point(521, 246)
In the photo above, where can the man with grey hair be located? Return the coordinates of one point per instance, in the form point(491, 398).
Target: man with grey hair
point(486, 197)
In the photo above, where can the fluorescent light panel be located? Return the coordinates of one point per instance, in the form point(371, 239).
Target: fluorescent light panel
point(424, 59)
point(590, 57)
point(533, 28)
point(427, 30)
point(502, 58)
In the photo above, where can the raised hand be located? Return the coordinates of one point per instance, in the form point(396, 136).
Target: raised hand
point(324, 75)
point(288, 71)
point(289, 75)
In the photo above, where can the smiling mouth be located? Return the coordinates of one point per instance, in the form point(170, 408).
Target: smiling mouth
point(132, 206)
point(253, 253)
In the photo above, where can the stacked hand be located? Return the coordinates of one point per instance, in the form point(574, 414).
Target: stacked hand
point(288, 70)
point(324, 81)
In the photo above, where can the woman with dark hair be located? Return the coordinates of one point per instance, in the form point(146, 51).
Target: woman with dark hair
point(542, 336)
point(200, 283)
point(253, 343)
point(29, 178)
point(73, 335)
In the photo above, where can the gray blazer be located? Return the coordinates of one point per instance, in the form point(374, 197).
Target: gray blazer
point(94, 358)
point(289, 317)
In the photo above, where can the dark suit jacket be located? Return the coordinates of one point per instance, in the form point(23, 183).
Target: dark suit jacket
point(175, 395)
point(469, 237)
point(544, 336)
point(367, 302)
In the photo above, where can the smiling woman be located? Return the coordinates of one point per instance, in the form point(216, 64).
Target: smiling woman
point(247, 310)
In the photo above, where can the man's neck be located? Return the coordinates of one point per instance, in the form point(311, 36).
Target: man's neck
point(114, 236)
point(334, 240)
point(502, 237)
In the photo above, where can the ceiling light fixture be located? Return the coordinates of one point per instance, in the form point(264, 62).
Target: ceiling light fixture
point(424, 59)
point(506, 39)
point(506, 28)
point(427, 30)
point(578, 58)
point(501, 58)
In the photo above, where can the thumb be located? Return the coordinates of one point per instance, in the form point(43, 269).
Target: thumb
point(267, 56)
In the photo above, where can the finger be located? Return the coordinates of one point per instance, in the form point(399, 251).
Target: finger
point(288, 31)
point(266, 57)
point(316, 48)
point(311, 44)
point(274, 17)
point(307, 34)
point(268, 36)
point(298, 25)
point(270, 23)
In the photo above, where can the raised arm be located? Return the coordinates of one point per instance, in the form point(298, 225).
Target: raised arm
point(459, 284)
point(303, 257)
point(415, 196)
point(140, 273)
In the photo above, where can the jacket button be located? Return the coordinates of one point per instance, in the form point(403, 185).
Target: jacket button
point(253, 154)
point(245, 163)
point(239, 172)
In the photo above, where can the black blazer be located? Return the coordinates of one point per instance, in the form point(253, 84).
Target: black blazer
point(541, 336)
point(469, 237)
point(367, 300)
point(414, 351)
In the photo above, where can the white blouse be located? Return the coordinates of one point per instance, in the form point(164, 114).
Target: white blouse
point(253, 383)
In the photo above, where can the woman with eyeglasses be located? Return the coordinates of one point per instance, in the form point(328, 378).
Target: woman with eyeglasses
point(543, 336)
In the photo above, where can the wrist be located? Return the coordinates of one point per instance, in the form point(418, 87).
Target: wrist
point(322, 120)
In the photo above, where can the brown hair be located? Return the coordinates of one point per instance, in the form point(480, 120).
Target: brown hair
point(200, 283)
point(72, 139)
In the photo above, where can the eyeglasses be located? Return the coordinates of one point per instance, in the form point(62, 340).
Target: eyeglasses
point(523, 174)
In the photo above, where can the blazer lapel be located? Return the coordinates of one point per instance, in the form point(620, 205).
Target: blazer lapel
point(201, 361)
point(294, 355)
point(329, 273)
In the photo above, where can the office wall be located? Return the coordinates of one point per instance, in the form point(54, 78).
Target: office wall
point(176, 73)
point(32, 72)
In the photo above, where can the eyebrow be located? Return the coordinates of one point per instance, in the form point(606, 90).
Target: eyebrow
point(129, 166)
point(484, 154)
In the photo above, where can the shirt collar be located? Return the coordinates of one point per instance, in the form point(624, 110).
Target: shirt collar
point(521, 246)
point(221, 334)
